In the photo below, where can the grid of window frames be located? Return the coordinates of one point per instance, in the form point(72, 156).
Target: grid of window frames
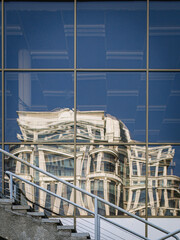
point(118, 59)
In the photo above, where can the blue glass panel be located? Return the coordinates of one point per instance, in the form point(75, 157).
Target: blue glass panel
point(111, 34)
point(120, 94)
point(164, 107)
point(39, 35)
point(35, 92)
point(164, 34)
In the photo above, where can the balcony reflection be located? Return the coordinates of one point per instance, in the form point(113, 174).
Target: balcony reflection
point(114, 172)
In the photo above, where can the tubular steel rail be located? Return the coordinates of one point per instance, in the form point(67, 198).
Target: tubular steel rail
point(170, 235)
point(96, 199)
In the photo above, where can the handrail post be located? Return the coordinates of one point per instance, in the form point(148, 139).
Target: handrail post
point(11, 187)
point(97, 220)
point(15, 191)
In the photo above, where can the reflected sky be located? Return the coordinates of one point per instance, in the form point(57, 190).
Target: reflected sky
point(99, 45)
point(164, 113)
point(164, 34)
point(35, 92)
point(119, 94)
point(41, 30)
point(109, 35)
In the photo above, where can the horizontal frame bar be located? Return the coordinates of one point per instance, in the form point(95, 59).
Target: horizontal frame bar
point(96, 143)
point(85, 70)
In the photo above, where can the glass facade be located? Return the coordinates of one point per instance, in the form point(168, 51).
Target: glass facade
point(90, 93)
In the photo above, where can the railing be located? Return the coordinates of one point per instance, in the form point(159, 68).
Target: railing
point(95, 213)
point(170, 234)
point(97, 216)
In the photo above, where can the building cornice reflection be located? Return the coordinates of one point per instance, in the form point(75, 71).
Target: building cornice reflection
point(116, 173)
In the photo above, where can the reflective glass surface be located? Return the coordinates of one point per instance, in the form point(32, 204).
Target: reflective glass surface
point(136, 192)
point(42, 96)
point(111, 34)
point(106, 171)
point(39, 35)
point(122, 95)
point(163, 181)
point(57, 160)
point(176, 164)
point(111, 106)
point(164, 110)
point(164, 34)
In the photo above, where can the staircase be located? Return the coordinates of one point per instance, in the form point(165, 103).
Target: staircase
point(18, 222)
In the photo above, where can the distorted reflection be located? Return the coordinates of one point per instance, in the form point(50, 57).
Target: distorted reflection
point(113, 172)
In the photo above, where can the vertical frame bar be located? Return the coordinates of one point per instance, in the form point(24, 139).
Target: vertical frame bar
point(147, 116)
point(2, 58)
point(75, 103)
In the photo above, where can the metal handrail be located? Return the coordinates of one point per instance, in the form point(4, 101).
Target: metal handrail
point(169, 235)
point(87, 193)
point(95, 213)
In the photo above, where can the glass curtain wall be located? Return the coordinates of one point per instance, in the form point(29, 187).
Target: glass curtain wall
point(90, 93)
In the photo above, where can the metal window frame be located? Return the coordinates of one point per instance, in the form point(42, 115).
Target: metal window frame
point(76, 70)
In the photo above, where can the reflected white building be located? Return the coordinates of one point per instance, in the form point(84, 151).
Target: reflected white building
point(115, 173)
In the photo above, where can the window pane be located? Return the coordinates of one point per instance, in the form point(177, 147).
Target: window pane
point(38, 101)
point(111, 34)
point(119, 184)
point(164, 34)
point(104, 171)
point(164, 110)
point(136, 193)
point(122, 95)
point(55, 159)
point(39, 35)
point(164, 181)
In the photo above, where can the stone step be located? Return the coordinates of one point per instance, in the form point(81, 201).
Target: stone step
point(36, 214)
point(20, 207)
point(6, 201)
point(52, 220)
point(65, 227)
point(80, 235)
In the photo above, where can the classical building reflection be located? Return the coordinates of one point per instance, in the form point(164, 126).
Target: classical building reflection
point(114, 172)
